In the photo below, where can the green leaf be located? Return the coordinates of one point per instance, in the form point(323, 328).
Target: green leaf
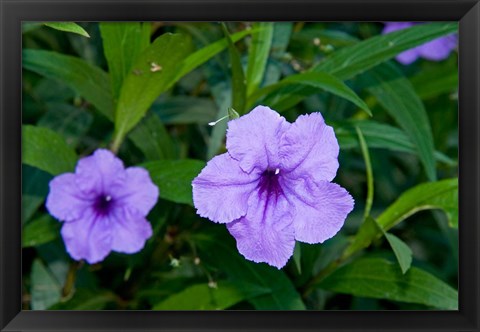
point(45, 289)
point(396, 94)
point(151, 137)
point(297, 257)
point(431, 195)
point(280, 41)
point(68, 27)
point(69, 121)
point(34, 190)
point(401, 250)
point(40, 231)
point(204, 54)
point(258, 54)
point(379, 135)
point(435, 195)
point(185, 110)
point(368, 166)
point(87, 80)
point(353, 60)
point(122, 44)
point(440, 79)
point(239, 88)
point(378, 278)
point(46, 150)
point(174, 178)
point(151, 74)
point(219, 250)
point(204, 297)
point(86, 299)
point(323, 81)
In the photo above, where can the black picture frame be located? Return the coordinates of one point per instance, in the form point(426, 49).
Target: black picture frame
point(13, 12)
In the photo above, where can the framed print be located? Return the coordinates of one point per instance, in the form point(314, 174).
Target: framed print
point(250, 165)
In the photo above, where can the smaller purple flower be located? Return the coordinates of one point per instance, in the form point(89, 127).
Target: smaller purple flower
point(435, 50)
point(273, 186)
point(103, 206)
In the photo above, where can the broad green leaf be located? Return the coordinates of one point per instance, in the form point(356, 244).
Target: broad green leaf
point(45, 289)
point(258, 55)
point(426, 196)
point(185, 110)
point(219, 250)
point(367, 232)
point(46, 150)
point(322, 81)
point(122, 44)
point(204, 297)
point(34, 190)
point(174, 178)
point(280, 41)
point(222, 94)
point(368, 166)
point(378, 278)
point(353, 60)
point(69, 121)
point(239, 88)
point(326, 36)
point(204, 54)
point(401, 251)
point(40, 231)
point(435, 195)
point(86, 299)
point(68, 27)
point(379, 135)
point(396, 94)
point(442, 78)
point(89, 81)
point(151, 137)
point(150, 76)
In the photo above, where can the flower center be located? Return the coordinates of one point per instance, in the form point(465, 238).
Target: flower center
point(269, 183)
point(103, 204)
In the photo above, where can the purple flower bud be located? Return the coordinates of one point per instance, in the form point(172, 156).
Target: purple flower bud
point(103, 206)
point(273, 186)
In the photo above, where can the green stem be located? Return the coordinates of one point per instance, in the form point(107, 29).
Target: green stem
point(70, 280)
point(117, 142)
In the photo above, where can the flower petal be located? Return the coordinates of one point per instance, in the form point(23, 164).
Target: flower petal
point(130, 231)
point(394, 26)
point(309, 148)
point(438, 49)
point(252, 139)
point(65, 202)
point(221, 190)
point(320, 208)
point(99, 172)
point(137, 192)
point(408, 57)
point(89, 237)
point(266, 233)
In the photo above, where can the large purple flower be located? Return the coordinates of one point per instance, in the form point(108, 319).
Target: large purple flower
point(103, 206)
point(273, 186)
point(436, 50)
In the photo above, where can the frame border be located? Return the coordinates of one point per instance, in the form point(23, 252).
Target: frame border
point(13, 12)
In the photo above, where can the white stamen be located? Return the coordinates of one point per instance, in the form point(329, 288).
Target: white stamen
point(215, 122)
point(277, 171)
point(108, 198)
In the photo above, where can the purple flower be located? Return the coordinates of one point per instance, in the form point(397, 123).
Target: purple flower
point(273, 186)
point(436, 50)
point(103, 206)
